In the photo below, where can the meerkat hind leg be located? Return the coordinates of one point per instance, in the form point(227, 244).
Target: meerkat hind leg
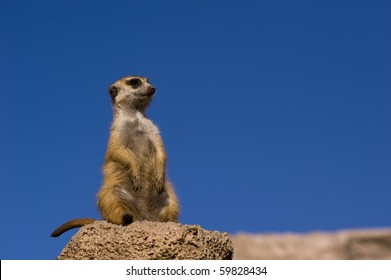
point(113, 207)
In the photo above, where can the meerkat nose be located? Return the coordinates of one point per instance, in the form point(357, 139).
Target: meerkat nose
point(152, 89)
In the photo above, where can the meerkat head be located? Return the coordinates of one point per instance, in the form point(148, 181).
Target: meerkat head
point(132, 92)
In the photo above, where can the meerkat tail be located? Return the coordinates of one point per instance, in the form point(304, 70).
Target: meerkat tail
point(70, 225)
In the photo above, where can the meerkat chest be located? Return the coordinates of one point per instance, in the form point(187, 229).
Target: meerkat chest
point(137, 131)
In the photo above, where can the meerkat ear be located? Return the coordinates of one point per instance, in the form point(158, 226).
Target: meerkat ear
point(113, 90)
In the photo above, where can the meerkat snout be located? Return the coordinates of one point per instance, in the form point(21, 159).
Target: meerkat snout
point(151, 91)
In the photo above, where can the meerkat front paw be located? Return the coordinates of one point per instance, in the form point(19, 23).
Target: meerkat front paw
point(136, 184)
point(159, 183)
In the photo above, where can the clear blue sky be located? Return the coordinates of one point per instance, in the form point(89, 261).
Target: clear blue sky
point(276, 115)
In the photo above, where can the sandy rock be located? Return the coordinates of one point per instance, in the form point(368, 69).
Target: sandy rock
point(342, 245)
point(147, 241)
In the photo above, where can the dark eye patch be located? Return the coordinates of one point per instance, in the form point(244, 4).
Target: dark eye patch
point(134, 82)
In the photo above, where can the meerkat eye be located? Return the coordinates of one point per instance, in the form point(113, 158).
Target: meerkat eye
point(135, 82)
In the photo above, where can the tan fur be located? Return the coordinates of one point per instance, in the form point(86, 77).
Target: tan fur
point(134, 187)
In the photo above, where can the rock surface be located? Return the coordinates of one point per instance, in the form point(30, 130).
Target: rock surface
point(342, 245)
point(147, 241)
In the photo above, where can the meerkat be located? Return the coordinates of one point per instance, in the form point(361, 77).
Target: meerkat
point(135, 186)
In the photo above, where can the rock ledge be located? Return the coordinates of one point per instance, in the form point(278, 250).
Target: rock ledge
point(147, 241)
